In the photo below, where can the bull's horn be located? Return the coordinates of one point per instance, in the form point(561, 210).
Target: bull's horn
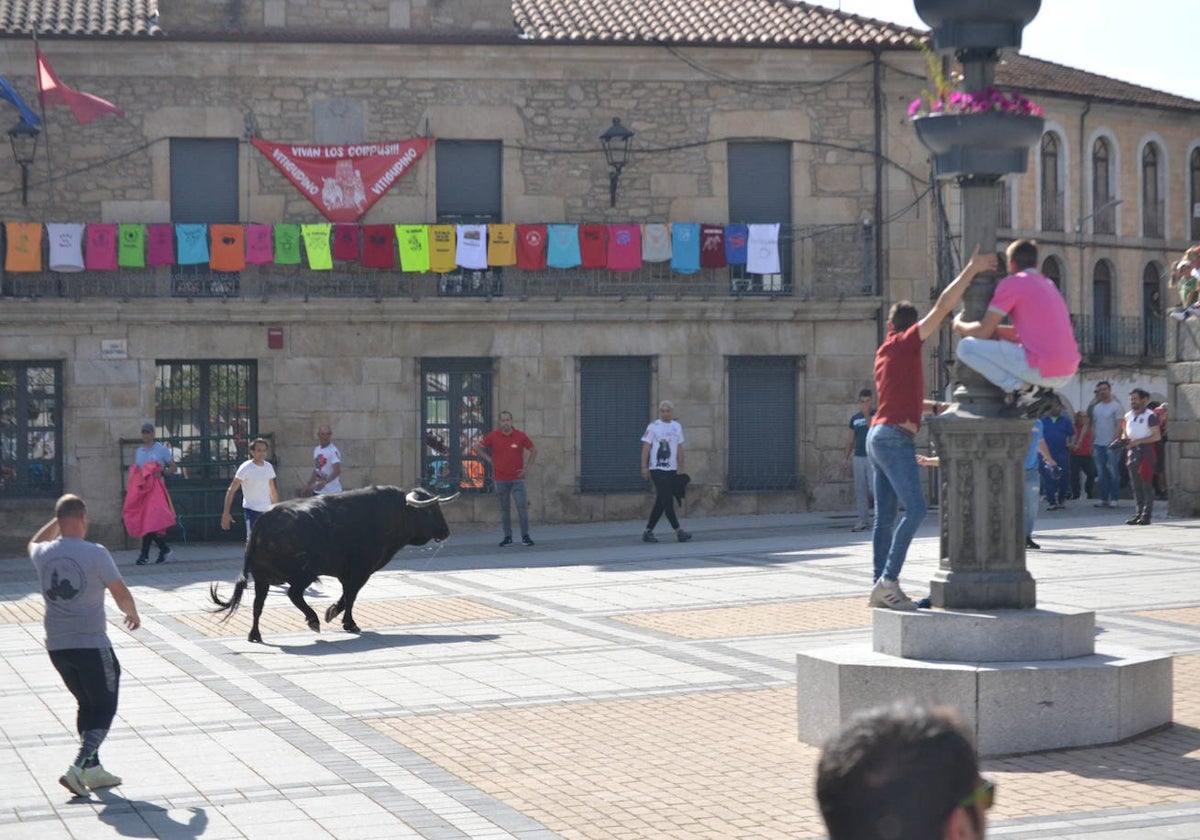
point(448, 498)
point(413, 501)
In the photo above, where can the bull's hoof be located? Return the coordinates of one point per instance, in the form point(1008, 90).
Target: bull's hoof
point(351, 627)
point(314, 625)
point(331, 613)
point(255, 636)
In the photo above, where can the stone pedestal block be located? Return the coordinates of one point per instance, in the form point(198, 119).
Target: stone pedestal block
point(994, 636)
point(1011, 707)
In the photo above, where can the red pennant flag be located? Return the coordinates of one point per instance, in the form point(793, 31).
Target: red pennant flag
point(344, 181)
point(84, 106)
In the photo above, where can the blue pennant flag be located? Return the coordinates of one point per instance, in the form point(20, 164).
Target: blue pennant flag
point(8, 94)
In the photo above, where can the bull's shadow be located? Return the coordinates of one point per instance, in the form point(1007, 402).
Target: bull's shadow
point(344, 643)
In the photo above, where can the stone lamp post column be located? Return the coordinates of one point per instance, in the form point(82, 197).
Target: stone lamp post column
point(982, 453)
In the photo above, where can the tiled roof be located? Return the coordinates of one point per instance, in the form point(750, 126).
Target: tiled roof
point(1033, 75)
point(80, 17)
point(732, 22)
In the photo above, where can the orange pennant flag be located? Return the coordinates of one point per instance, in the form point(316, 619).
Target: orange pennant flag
point(84, 106)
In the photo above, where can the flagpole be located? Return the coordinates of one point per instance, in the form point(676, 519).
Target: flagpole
point(45, 123)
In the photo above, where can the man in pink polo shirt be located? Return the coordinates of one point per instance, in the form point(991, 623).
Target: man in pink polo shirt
point(1037, 351)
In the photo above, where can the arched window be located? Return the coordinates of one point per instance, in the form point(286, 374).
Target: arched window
point(1052, 197)
point(1152, 208)
point(1103, 221)
point(1194, 196)
point(1153, 313)
point(1103, 328)
point(1052, 267)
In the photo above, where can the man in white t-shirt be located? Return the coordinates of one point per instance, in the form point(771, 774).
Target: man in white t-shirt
point(1142, 430)
point(662, 459)
point(256, 478)
point(327, 466)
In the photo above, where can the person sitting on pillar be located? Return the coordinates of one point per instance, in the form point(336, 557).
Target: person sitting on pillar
point(900, 391)
point(1037, 351)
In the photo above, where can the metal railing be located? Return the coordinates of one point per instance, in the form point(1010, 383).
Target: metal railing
point(1152, 220)
point(1104, 221)
point(1052, 212)
point(830, 263)
point(1125, 336)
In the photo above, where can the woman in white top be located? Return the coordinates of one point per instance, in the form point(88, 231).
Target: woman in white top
point(257, 479)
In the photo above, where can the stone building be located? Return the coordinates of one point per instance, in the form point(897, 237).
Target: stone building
point(758, 111)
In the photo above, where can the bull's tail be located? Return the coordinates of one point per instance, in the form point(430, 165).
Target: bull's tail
point(239, 587)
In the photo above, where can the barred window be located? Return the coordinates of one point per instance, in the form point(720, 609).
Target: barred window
point(31, 442)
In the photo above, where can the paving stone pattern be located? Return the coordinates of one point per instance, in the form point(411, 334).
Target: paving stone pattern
point(590, 687)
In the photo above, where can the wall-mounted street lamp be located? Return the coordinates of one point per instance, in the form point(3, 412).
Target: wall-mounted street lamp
point(1080, 244)
point(616, 143)
point(23, 137)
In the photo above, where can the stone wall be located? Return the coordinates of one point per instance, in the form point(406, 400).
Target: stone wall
point(1183, 426)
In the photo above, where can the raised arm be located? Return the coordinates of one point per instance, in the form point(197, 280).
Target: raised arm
point(952, 294)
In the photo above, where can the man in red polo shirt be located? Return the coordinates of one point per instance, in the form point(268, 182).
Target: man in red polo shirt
point(504, 449)
point(900, 390)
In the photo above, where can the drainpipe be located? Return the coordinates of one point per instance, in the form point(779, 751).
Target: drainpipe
point(1079, 233)
point(877, 85)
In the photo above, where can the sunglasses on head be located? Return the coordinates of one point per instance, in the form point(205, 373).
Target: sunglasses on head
point(984, 795)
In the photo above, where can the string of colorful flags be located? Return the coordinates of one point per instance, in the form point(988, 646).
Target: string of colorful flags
point(687, 246)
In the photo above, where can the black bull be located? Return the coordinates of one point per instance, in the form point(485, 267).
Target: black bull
point(347, 535)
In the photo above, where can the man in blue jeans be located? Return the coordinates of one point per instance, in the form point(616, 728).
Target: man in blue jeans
point(1108, 418)
point(505, 449)
point(900, 391)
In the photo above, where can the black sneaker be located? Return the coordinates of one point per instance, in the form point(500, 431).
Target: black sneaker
point(1029, 543)
point(648, 536)
point(507, 541)
point(143, 559)
point(164, 555)
point(682, 535)
point(528, 540)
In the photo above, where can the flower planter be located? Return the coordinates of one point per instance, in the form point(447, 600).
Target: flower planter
point(990, 143)
point(977, 24)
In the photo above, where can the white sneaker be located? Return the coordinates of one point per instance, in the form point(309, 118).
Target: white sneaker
point(72, 780)
point(98, 777)
point(889, 595)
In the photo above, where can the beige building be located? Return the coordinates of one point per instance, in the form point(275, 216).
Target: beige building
point(759, 112)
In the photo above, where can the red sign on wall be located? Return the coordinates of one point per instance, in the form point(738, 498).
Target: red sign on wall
point(343, 182)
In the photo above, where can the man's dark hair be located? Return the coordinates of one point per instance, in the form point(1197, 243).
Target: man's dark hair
point(69, 506)
point(865, 392)
point(1023, 253)
point(902, 315)
point(895, 774)
point(1104, 382)
point(1141, 392)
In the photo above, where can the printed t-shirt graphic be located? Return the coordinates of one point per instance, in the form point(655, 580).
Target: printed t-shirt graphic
point(160, 245)
point(712, 246)
point(656, 242)
point(258, 245)
point(228, 248)
point(193, 244)
point(531, 247)
point(345, 242)
point(287, 244)
point(470, 250)
point(562, 249)
point(441, 249)
point(24, 246)
point(101, 249)
point(66, 246)
point(737, 239)
point(316, 245)
point(624, 247)
point(685, 247)
point(379, 246)
point(414, 247)
point(762, 252)
point(593, 245)
point(131, 246)
point(502, 244)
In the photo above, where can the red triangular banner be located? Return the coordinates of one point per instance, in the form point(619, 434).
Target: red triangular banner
point(53, 91)
point(343, 182)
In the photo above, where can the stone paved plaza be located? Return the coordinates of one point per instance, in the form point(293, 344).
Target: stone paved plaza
point(590, 687)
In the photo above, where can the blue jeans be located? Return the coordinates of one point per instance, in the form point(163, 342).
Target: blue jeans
point(897, 481)
point(251, 517)
point(1108, 471)
point(514, 490)
point(1032, 486)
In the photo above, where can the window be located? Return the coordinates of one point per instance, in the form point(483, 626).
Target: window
point(469, 192)
point(1052, 196)
point(1052, 268)
point(1104, 218)
point(1194, 195)
point(762, 422)
point(1104, 333)
point(206, 413)
point(204, 190)
point(1004, 214)
point(31, 429)
point(614, 410)
point(1153, 334)
point(456, 412)
point(760, 191)
point(1152, 206)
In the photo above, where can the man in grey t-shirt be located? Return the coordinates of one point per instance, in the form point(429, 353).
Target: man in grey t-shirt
point(74, 576)
point(1106, 416)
